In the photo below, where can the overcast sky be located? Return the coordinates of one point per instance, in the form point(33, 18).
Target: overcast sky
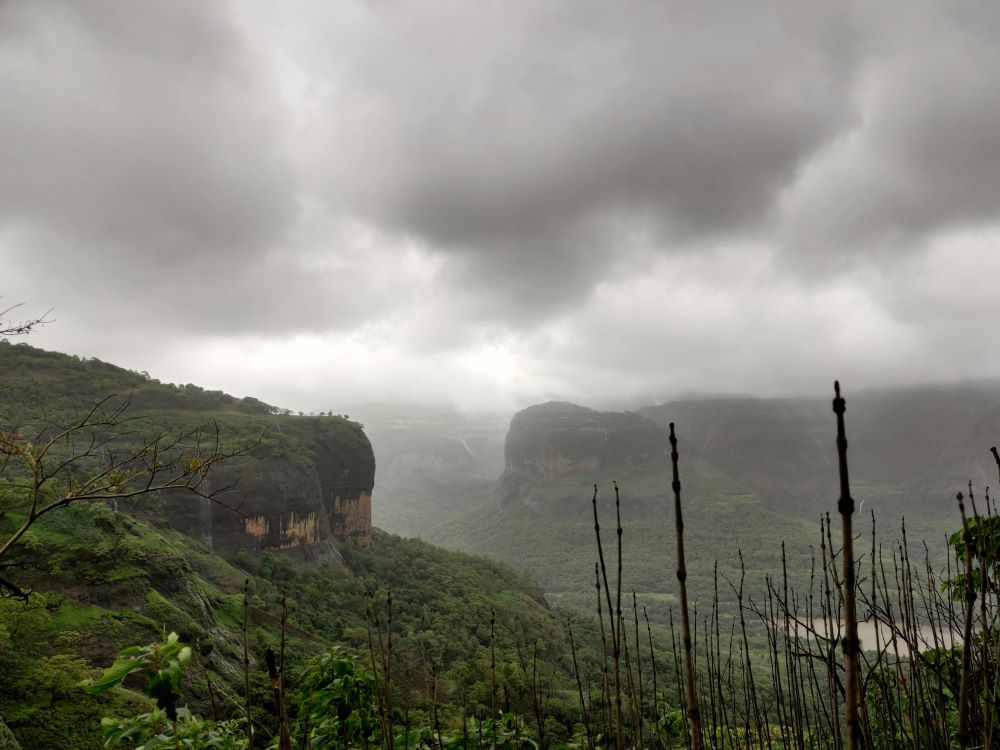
point(495, 203)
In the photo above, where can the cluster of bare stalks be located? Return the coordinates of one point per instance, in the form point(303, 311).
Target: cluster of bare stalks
point(478, 729)
point(791, 671)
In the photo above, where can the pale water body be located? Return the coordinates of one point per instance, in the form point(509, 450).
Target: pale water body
point(874, 635)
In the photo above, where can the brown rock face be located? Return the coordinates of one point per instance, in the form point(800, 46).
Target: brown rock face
point(351, 519)
point(307, 490)
point(291, 532)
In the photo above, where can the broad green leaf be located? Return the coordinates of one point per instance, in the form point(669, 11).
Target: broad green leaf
point(113, 675)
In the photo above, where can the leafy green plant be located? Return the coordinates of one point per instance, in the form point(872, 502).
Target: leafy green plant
point(337, 703)
point(154, 730)
point(162, 663)
point(167, 725)
point(984, 540)
point(510, 733)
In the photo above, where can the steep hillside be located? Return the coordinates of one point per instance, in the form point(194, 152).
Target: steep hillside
point(102, 576)
point(104, 580)
point(306, 485)
point(562, 441)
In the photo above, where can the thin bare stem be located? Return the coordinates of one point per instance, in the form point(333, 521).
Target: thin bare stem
point(693, 711)
point(851, 643)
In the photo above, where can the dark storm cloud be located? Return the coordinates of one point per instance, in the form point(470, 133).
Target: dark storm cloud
point(539, 147)
point(142, 138)
point(505, 199)
point(532, 140)
point(925, 156)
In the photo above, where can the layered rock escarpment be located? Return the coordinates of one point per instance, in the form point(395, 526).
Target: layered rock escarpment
point(559, 440)
point(306, 486)
point(305, 489)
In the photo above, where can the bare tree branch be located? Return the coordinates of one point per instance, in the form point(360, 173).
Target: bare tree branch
point(95, 458)
point(9, 327)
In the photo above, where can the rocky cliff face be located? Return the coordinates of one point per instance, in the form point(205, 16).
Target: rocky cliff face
point(557, 440)
point(303, 493)
point(305, 487)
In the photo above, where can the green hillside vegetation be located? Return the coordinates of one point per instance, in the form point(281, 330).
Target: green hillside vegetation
point(103, 581)
point(279, 467)
point(123, 630)
point(551, 535)
point(756, 482)
point(101, 577)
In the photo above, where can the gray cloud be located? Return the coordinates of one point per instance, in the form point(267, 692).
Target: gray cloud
point(544, 199)
point(141, 139)
point(522, 138)
point(925, 155)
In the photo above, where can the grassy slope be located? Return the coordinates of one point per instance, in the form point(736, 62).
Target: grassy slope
point(103, 581)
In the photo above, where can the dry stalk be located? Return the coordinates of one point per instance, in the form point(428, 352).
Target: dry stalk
point(970, 601)
point(694, 713)
point(851, 643)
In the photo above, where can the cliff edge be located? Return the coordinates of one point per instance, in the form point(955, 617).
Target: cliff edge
point(304, 488)
point(557, 440)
